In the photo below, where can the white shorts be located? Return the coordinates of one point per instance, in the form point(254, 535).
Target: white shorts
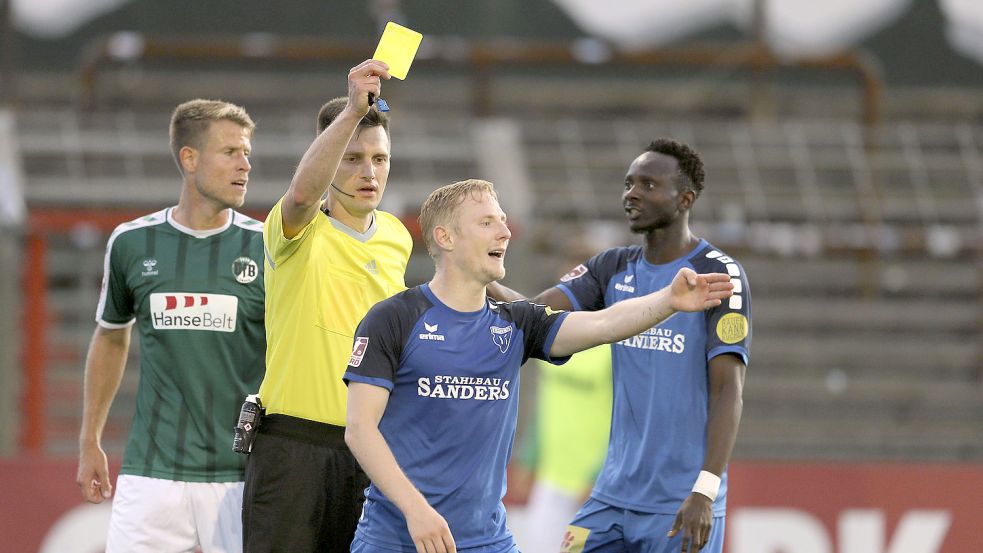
point(153, 515)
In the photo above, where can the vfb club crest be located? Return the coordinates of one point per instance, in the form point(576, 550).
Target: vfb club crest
point(245, 270)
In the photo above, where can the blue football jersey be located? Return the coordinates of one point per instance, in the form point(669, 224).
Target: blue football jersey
point(450, 422)
point(660, 377)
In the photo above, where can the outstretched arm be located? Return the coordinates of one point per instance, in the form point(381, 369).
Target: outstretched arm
point(320, 163)
point(104, 367)
point(687, 292)
point(366, 405)
point(552, 296)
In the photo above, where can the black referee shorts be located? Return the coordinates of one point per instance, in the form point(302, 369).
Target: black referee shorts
point(304, 489)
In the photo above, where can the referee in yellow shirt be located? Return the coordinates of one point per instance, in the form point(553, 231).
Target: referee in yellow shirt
point(327, 263)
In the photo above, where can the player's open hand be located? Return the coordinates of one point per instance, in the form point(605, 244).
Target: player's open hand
point(430, 532)
point(364, 79)
point(93, 474)
point(694, 519)
point(696, 292)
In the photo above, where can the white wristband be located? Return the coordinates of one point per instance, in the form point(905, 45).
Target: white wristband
point(708, 484)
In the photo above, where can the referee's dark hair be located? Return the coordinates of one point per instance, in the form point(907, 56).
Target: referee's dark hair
point(331, 110)
point(690, 164)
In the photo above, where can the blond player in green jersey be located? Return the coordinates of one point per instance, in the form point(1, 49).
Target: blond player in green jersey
point(190, 278)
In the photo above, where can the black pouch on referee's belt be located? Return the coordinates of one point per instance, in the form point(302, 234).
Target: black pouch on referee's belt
point(250, 417)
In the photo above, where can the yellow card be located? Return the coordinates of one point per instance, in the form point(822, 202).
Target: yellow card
point(397, 47)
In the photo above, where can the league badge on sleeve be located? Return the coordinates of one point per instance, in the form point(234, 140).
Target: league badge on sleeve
point(358, 351)
point(576, 272)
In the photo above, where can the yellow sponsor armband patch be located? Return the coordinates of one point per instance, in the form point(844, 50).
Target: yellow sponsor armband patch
point(732, 328)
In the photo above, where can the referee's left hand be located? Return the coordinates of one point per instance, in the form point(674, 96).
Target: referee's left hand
point(365, 79)
point(695, 517)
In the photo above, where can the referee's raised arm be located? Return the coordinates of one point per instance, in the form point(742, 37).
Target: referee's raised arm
point(317, 168)
point(331, 255)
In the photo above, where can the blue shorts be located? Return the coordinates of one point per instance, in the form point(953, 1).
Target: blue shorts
point(602, 528)
point(361, 546)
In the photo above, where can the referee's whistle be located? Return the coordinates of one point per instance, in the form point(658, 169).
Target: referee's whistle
point(380, 103)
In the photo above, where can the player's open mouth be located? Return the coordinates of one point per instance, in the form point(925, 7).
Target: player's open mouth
point(632, 211)
point(240, 183)
point(500, 254)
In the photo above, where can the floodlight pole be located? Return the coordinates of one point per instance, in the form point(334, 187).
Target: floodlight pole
point(758, 88)
point(8, 44)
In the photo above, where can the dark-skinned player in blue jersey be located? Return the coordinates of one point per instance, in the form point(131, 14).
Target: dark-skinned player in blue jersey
point(677, 386)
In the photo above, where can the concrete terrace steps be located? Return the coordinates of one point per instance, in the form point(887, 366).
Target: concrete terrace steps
point(831, 315)
point(876, 397)
point(105, 158)
point(853, 357)
point(857, 438)
point(884, 356)
point(833, 275)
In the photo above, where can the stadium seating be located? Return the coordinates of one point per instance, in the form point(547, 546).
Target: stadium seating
point(862, 249)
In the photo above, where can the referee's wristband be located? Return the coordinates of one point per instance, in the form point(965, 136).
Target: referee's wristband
point(708, 484)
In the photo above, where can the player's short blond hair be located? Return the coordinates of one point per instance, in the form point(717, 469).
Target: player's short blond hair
point(440, 208)
point(190, 122)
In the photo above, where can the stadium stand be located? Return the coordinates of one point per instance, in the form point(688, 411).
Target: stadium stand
point(864, 257)
point(849, 185)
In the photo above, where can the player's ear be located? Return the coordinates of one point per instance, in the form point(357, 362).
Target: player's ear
point(443, 238)
point(687, 198)
point(189, 159)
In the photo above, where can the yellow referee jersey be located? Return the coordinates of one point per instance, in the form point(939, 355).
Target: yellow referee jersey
point(319, 285)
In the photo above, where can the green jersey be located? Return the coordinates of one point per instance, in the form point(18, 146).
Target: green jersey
point(197, 300)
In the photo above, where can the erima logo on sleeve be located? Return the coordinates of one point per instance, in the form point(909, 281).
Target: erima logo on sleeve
point(193, 311)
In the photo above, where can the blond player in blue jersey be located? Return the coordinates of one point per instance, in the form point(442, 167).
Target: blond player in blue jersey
point(433, 379)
